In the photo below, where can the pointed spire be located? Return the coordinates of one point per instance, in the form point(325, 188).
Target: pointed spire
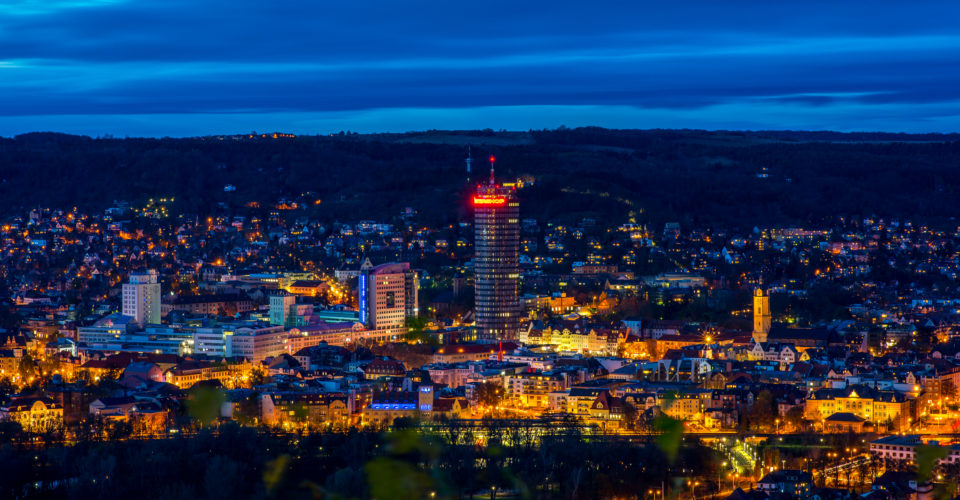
point(469, 159)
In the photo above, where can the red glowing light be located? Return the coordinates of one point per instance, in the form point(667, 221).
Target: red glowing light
point(477, 200)
point(492, 158)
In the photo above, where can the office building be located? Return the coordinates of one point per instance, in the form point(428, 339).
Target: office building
point(281, 308)
point(388, 295)
point(141, 298)
point(496, 260)
point(120, 334)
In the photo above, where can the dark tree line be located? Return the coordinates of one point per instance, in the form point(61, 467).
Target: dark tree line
point(694, 177)
point(448, 460)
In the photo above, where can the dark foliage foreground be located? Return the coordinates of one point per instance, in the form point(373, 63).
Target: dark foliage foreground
point(235, 462)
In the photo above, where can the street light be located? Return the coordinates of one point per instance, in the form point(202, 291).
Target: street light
point(720, 479)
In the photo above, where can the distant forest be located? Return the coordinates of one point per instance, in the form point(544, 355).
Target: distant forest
point(737, 179)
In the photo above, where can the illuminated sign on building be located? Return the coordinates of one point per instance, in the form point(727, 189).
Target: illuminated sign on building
point(426, 398)
point(477, 200)
point(363, 298)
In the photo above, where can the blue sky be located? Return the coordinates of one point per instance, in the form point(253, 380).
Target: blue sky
point(182, 68)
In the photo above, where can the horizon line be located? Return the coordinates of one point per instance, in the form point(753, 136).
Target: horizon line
point(260, 134)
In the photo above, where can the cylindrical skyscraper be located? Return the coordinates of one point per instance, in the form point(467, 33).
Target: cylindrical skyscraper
point(496, 215)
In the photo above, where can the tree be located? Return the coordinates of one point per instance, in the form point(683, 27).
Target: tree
point(950, 469)
point(489, 394)
point(248, 410)
point(50, 365)
point(26, 368)
point(416, 331)
point(222, 479)
point(119, 429)
point(761, 415)
point(6, 386)
point(10, 430)
point(257, 376)
point(204, 404)
point(652, 349)
point(301, 413)
point(630, 416)
point(794, 417)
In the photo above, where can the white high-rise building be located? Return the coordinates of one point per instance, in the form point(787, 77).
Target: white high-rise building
point(141, 297)
point(281, 305)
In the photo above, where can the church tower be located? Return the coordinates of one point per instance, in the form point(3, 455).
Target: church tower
point(761, 315)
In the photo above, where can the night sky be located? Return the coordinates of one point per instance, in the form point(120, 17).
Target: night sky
point(181, 68)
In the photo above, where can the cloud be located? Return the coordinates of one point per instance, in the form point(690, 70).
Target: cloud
point(219, 59)
point(42, 7)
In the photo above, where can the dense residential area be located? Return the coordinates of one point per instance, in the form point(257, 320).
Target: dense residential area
point(492, 250)
point(820, 361)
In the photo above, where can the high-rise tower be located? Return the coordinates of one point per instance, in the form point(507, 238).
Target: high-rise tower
point(141, 297)
point(388, 296)
point(761, 315)
point(496, 215)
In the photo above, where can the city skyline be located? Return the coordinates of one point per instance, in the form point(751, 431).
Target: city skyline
point(790, 359)
point(489, 250)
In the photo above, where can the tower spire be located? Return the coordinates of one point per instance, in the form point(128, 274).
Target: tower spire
point(493, 159)
point(469, 160)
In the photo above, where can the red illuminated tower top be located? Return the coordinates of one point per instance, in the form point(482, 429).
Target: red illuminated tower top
point(492, 195)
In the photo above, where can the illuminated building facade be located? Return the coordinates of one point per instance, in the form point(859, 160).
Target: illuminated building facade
point(387, 297)
point(891, 409)
point(33, 414)
point(387, 406)
point(141, 298)
point(496, 261)
point(298, 409)
point(761, 315)
point(281, 306)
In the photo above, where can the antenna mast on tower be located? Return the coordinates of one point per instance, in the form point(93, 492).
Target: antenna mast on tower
point(469, 160)
point(493, 160)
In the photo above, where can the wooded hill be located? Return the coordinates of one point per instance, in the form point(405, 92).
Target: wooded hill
point(696, 177)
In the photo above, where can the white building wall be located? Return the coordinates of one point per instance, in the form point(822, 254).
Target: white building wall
point(141, 298)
